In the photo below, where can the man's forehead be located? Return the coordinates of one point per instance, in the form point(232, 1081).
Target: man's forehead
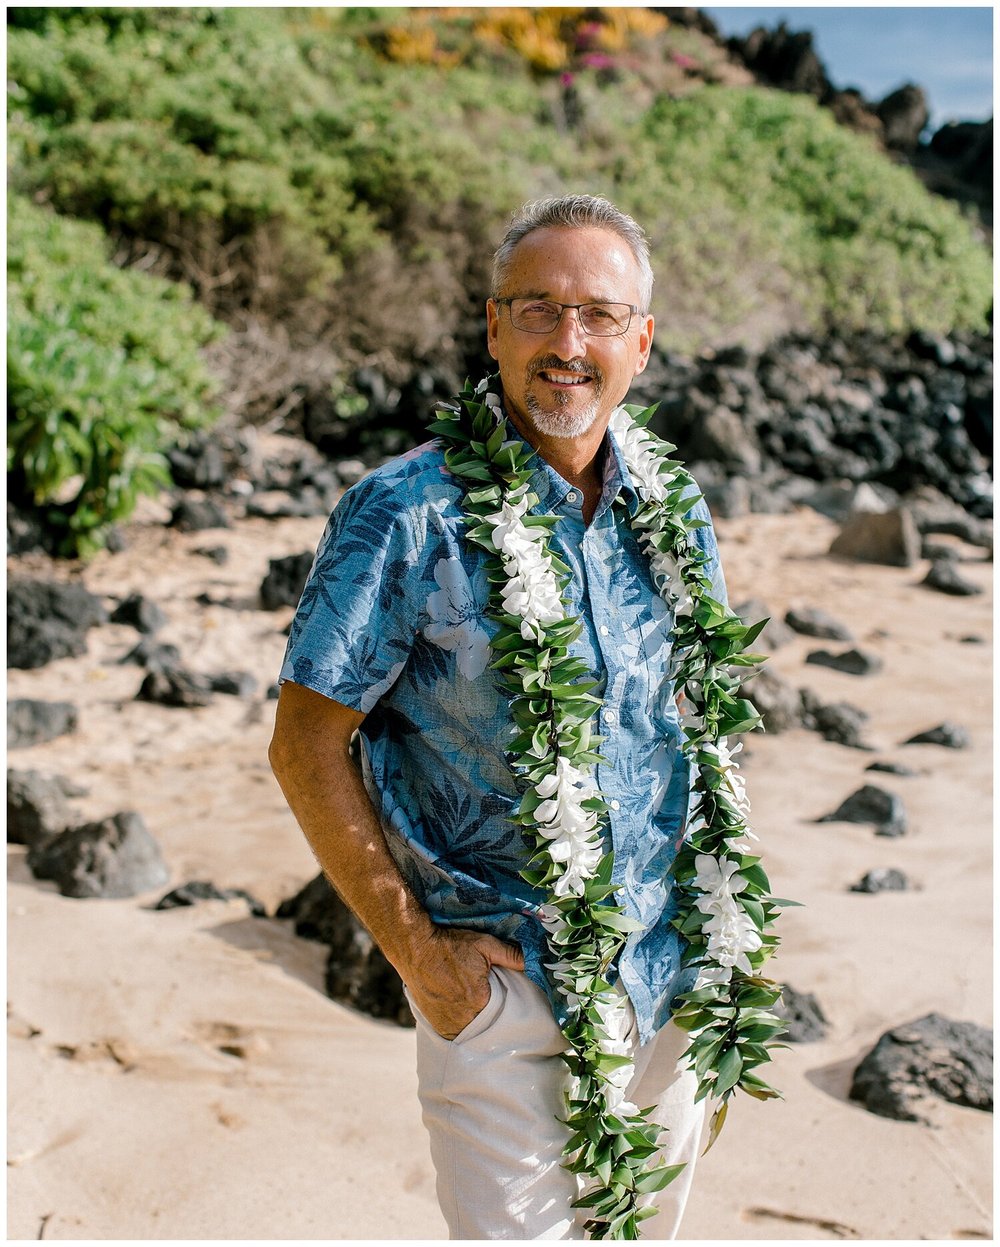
point(548, 257)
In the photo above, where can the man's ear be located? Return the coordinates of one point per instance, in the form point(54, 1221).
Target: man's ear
point(492, 327)
point(645, 344)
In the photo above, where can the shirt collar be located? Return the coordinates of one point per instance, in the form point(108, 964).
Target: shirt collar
point(552, 490)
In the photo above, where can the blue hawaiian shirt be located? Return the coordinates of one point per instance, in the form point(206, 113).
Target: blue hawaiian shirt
point(392, 622)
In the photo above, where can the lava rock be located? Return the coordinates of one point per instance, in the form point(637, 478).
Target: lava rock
point(903, 114)
point(804, 1019)
point(891, 768)
point(113, 858)
point(851, 661)
point(200, 464)
point(949, 735)
point(175, 687)
point(48, 620)
point(192, 515)
point(839, 722)
point(199, 890)
point(871, 805)
point(778, 703)
point(139, 612)
point(889, 538)
point(357, 972)
point(944, 576)
point(218, 554)
point(930, 1057)
point(153, 655)
point(37, 809)
point(810, 621)
point(883, 879)
point(233, 683)
point(32, 722)
point(285, 580)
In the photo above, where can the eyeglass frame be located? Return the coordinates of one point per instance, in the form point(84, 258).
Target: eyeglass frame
point(566, 307)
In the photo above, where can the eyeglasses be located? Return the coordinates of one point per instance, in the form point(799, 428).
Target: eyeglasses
point(602, 320)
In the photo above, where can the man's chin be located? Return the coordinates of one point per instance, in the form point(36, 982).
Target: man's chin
point(563, 421)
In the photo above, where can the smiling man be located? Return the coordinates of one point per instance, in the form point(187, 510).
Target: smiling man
point(392, 640)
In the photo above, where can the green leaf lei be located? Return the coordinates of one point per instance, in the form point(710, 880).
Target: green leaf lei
point(725, 912)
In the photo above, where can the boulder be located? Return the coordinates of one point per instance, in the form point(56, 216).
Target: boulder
point(139, 612)
point(871, 805)
point(200, 890)
point(804, 1019)
point(777, 701)
point(889, 538)
point(930, 1057)
point(285, 580)
point(891, 768)
point(37, 809)
point(949, 735)
point(357, 972)
point(839, 722)
point(218, 554)
point(175, 687)
point(883, 879)
point(154, 655)
point(945, 577)
point(233, 683)
point(192, 515)
point(903, 114)
point(810, 621)
point(851, 661)
point(32, 722)
point(48, 620)
point(116, 857)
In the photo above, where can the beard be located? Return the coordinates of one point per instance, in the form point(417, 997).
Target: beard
point(561, 416)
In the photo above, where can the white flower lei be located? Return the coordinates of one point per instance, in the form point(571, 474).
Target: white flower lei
point(725, 910)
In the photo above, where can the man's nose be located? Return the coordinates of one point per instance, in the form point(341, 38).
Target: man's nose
point(568, 337)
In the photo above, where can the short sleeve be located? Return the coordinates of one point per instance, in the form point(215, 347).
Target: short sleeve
point(355, 624)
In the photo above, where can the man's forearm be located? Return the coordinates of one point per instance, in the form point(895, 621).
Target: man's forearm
point(324, 789)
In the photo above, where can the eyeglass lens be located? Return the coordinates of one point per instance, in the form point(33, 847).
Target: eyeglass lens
point(542, 316)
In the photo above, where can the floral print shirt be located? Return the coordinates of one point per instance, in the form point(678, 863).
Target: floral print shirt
point(392, 622)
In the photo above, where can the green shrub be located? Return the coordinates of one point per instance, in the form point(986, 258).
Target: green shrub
point(103, 374)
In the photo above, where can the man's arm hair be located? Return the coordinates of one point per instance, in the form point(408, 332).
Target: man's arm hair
point(445, 969)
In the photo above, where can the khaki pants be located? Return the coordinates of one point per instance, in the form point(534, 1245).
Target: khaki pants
point(490, 1100)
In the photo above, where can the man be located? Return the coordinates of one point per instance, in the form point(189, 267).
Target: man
point(391, 639)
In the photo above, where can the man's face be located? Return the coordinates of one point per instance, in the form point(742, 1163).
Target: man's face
point(565, 382)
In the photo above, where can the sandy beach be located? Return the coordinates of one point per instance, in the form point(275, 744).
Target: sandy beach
point(182, 1075)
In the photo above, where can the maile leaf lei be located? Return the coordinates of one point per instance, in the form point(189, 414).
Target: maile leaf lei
point(725, 912)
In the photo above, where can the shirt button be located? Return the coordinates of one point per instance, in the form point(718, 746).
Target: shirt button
point(571, 496)
point(610, 717)
point(615, 805)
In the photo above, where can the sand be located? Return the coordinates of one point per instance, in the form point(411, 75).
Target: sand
point(181, 1074)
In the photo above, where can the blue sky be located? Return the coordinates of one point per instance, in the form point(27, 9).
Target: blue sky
point(947, 51)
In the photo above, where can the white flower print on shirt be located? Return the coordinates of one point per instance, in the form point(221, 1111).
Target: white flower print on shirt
point(456, 614)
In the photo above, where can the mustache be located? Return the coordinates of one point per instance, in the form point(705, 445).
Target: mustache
point(555, 364)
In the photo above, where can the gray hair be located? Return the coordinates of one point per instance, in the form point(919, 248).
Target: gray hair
point(575, 212)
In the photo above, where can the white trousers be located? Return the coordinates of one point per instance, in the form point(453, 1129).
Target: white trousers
point(491, 1097)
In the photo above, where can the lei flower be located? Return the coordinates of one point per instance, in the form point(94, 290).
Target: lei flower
point(725, 911)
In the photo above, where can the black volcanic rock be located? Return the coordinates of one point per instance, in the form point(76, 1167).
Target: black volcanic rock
point(357, 972)
point(285, 580)
point(48, 620)
point(949, 735)
point(839, 721)
point(871, 804)
point(930, 1057)
point(804, 1019)
point(882, 879)
point(32, 722)
point(116, 857)
point(850, 661)
point(810, 621)
point(175, 686)
point(904, 115)
point(945, 577)
point(37, 809)
point(201, 890)
point(139, 612)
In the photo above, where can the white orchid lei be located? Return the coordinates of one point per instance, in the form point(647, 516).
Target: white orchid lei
point(725, 911)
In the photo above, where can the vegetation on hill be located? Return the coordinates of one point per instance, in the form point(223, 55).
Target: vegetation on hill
point(330, 183)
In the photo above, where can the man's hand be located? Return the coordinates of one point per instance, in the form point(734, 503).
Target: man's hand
point(448, 976)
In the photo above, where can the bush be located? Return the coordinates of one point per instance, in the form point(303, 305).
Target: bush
point(103, 374)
